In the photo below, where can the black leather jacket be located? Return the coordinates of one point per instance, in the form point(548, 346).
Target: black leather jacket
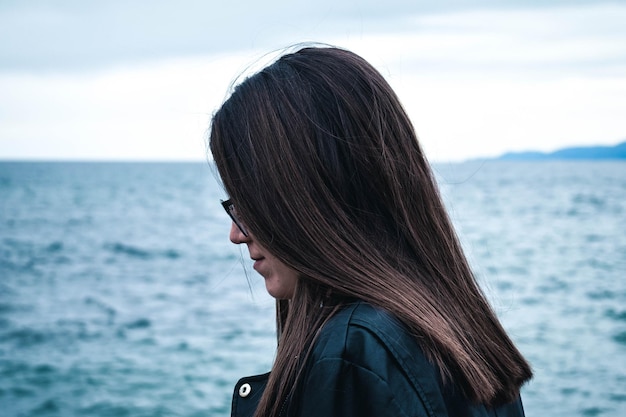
point(366, 364)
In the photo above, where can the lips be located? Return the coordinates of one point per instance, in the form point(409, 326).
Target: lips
point(257, 262)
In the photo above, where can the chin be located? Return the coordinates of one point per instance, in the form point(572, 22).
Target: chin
point(279, 293)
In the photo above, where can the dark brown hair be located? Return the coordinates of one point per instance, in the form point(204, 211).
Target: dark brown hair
point(327, 173)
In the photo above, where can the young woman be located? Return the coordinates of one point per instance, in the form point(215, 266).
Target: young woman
point(378, 313)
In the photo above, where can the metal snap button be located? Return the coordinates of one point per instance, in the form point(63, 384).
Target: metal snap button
point(245, 390)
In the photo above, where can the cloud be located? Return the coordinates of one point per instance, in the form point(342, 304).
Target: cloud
point(78, 35)
point(456, 119)
point(553, 42)
point(131, 83)
point(158, 111)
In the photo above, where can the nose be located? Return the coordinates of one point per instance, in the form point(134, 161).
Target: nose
point(236, 235)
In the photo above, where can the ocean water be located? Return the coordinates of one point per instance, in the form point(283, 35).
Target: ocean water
point(120, 294)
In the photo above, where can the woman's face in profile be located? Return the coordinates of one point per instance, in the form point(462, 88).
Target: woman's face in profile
point(280, 280)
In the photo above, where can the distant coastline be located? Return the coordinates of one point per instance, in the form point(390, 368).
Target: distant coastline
point(571, 153)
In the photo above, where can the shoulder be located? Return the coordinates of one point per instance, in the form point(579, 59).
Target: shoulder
point(365, 362)
point(367, 335)
point(361, 325)
point(366, 349)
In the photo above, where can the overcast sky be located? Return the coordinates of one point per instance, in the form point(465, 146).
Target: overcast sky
point(139, 80)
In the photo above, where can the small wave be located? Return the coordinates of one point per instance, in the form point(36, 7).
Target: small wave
point(616, 315)
point(553, 284)
point(119, 248)
point(618, 398)
point(138, 324)
point(42, 376)
point(601, 295)
point(592, 238)
point(83, 221)
point(5, 288)
point(6, 308)
point(44, 369)
point(593, 411)
point(25, 337)
point(107, 309)
point(588, 199)
point(77, 330)
point(127, 329)
point(107, 409)
point(46, 407)
point(21, 392)
point(139, 253)
point(10, 369)
point(620, 338)
point(35, 376)
point(55, 247)
point(530, 301)
point(172, 254)
point(27, 255)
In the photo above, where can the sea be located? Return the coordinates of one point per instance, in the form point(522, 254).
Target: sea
point(121, 295)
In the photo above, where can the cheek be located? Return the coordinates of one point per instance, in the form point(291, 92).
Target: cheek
point(290, 284)
point(286, 279)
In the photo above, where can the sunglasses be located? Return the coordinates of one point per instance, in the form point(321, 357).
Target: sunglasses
point(229, 206)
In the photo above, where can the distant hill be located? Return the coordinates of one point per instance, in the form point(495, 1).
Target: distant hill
point(583, 152)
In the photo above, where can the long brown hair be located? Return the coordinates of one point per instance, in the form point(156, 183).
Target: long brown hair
point(326, 171)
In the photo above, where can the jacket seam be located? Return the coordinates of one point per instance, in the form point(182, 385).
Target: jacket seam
point(389, 347)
